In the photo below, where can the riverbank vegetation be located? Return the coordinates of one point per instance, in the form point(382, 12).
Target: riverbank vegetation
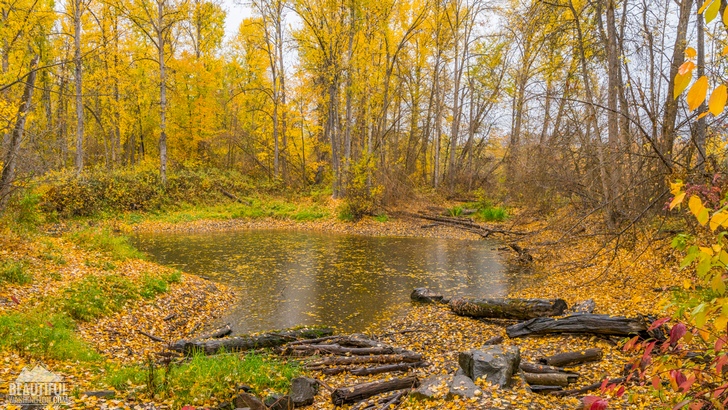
point(587, 136)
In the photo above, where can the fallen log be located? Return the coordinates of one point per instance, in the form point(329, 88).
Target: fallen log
point(382, 359)
point(550, 379)
point(151, 336)
point(366, 371)
point(303, 350)
point(585, 389)
point(242, 343)
point(495, 340)
point(545, 389)
point(579, 323)
point(540, 368)
point(572, 358)
point(401, 367)
point(507, 308)
point(353, 394)
point(216, 333)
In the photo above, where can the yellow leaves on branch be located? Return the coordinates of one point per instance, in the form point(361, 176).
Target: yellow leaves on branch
point(697, 209)
point(697, 93)
point(718, 100)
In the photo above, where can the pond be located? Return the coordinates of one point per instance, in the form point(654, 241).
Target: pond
point(289, 278)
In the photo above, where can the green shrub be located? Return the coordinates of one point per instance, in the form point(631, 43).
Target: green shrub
point(203, 377)
point(15, 272)
point(493, 214)
point(455, 211)
point(174, 277)
point(43, 335)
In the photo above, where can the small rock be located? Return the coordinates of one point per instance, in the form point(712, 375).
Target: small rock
point(425, 295)
point(303, 390)
point(278, 402)
point(245, 388)
point(586, 306)
point(100, 393)
point(463, 386)
point(496, 363)
point(431, 388)
point(248, 400)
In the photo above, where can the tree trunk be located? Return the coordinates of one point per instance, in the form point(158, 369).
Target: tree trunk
point(16, 137)
point(79, 84)
point(521, 309)
point(162, 94)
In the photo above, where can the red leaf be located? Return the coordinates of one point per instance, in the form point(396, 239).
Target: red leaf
point(678, 377)
point(594, 403)
point(677, 332)
point(17, 302)
point(722, 360)
point(630, 344)
point(603, 387)
point(620, 391)
point(685, 386)
point(659, 322)
point(681, 404)
point(188, 408)
point(719, 343)
point(648, 350)
point(656, 383)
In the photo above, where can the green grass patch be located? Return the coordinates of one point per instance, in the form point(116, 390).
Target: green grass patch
point(152, 286)
point(492, 214)
point(203, 377)
point(15, 272)
point(94, 297)
point(381, 218)
point(119, 247)
point(41, 334)
point(97, 296)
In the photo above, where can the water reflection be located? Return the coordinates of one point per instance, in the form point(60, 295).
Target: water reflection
point(290, 278)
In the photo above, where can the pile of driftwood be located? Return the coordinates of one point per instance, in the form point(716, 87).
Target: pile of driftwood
point(549, 374)
point(360, 356)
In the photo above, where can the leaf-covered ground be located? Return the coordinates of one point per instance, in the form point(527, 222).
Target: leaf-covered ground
point(571, 266)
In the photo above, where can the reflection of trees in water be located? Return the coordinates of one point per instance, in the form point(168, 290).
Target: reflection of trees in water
point(293, 278)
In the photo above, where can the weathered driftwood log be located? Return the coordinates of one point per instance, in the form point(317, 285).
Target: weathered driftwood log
point(545, 389)
point(216, 333)
point(579, 323)
point(425, 295)
point(572, 358)
point(353, 394)
point(550, 379)
point(507, 308)
point(213, 346)
point(585, 389)
point(541, 368)
point(401, 367)
point(382, 359)
point(495, 340)
point(366, 371)
point(304, 350)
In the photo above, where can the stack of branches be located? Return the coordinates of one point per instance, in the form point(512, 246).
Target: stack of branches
point(356, 354)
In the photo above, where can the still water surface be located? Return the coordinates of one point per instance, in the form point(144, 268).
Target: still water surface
point(290, 278)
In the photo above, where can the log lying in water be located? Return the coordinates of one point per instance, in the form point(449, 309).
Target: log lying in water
point(507, 308)
point(579, 323)
point(572, 358)
point(353, 394)
point(550, 379)
point(274, 339)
